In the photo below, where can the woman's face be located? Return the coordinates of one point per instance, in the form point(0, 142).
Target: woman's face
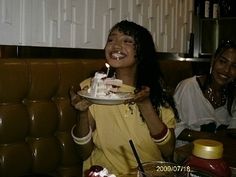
point(224, 68)
point(120, 50)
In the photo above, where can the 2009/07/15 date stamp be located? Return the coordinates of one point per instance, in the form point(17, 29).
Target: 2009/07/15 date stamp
point(173, 168)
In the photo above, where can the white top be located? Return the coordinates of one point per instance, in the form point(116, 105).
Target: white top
point(195, 110)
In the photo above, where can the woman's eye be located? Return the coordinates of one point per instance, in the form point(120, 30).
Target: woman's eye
point(222, 60)
point(129, 41)
point(109, 40)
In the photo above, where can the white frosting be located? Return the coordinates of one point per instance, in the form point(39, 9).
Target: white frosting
point(101, 86)
point(102, 173)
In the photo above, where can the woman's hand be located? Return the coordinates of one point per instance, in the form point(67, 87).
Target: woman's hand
point(77, 101)
point(140, 96)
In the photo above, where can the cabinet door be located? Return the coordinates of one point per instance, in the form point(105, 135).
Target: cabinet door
point(227, 28)
point(212, 32)
point(208, 36)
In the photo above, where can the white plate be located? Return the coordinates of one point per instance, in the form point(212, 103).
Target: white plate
point(107, 101)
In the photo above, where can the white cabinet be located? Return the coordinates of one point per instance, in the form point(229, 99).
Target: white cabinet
point(86, 23)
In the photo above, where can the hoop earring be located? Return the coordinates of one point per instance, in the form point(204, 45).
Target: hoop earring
point(210, 70)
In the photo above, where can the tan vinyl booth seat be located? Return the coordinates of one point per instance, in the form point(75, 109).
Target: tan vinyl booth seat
point(36, 116)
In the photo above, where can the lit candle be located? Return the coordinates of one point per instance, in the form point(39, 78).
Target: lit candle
point(108, 68)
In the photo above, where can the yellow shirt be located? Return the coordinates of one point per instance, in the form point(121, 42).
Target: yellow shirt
point(115, 126)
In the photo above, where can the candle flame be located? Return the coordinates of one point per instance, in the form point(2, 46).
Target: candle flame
point(108, 68)
point(107, 65)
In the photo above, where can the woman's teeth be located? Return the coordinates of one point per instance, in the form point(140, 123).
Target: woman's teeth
point(223, 76)
point(117, 55)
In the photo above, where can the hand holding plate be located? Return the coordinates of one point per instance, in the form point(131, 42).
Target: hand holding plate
point(80, 103)
point(140, 95)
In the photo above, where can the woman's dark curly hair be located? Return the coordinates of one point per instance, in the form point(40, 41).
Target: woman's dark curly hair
point(230, 89)
point(148, 69)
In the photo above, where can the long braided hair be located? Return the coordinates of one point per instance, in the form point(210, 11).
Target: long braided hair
point(148, 69)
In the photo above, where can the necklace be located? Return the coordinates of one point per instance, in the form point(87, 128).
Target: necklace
point(216, 102)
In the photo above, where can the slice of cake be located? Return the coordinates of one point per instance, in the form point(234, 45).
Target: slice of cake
point(101, 86)
point(99, 171)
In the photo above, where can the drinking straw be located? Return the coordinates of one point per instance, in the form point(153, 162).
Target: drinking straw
point(137, 157)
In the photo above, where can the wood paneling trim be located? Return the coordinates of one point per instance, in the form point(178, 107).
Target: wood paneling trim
point(48, 52)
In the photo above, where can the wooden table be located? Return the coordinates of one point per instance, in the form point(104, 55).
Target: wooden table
point(228, 138)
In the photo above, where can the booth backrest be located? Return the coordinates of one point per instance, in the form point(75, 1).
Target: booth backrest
point(36, 115)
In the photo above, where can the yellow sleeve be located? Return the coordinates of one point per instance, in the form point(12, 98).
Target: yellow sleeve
point(168, 117)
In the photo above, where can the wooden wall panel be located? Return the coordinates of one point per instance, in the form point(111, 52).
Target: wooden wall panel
point(9, 23)
point(86, 23)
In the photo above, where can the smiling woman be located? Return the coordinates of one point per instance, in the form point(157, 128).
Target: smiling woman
point(147, 117)
point(206, 103)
